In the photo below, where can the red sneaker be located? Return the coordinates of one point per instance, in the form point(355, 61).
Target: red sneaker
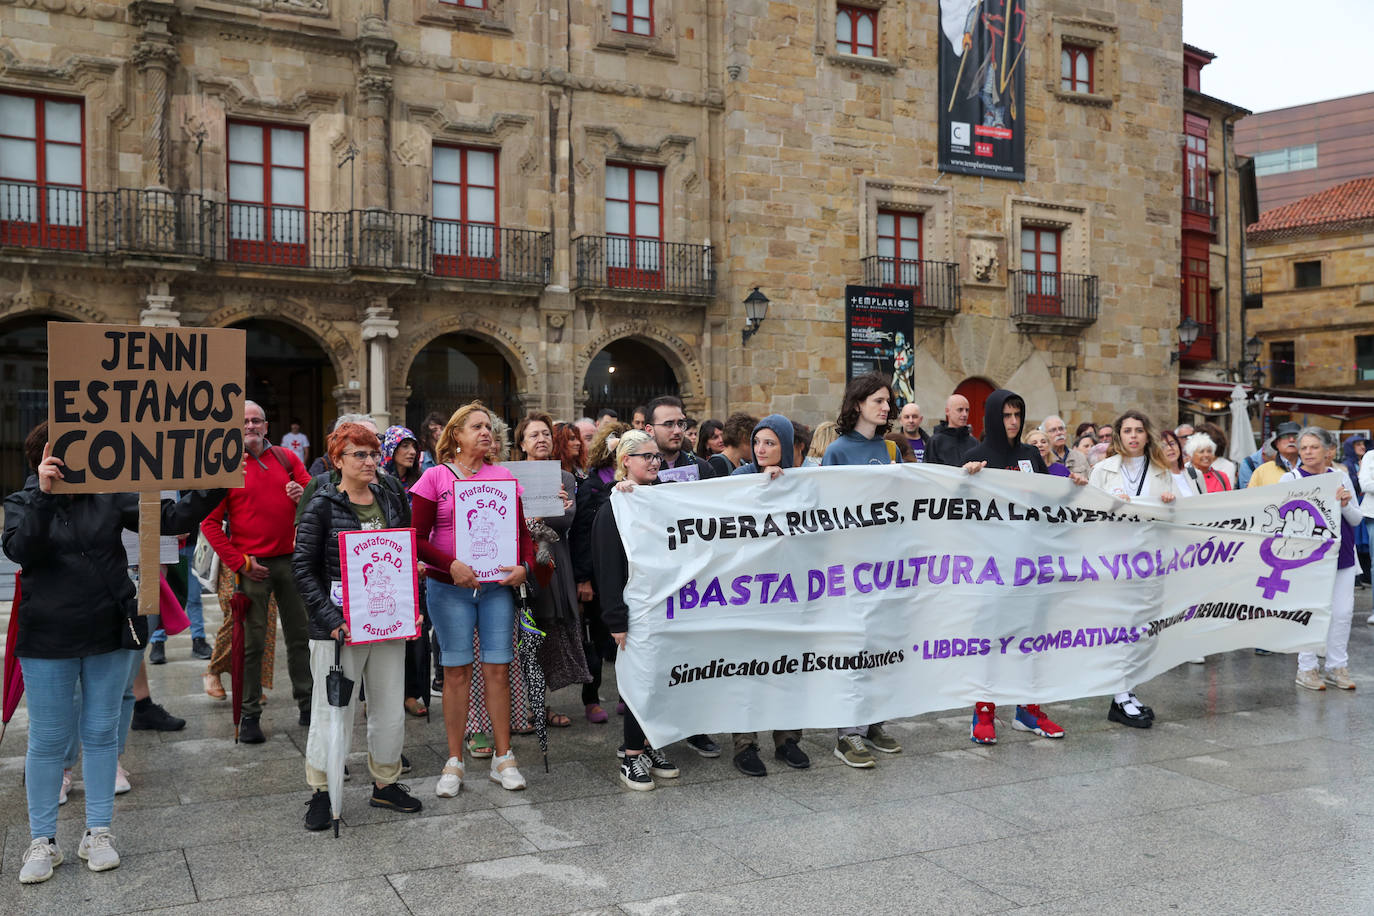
point(984, 729)
point(1030, 718)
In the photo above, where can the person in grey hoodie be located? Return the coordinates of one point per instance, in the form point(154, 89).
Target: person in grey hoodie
point(772, 447)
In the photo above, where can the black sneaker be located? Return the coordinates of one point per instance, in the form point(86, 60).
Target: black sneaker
point(747, 762)
point(790, 753)
point(200, 648)
point(659, 764)
point(157, 654)
point(153, 718)
point(437, 685)
point(704, 746)
point(405, 764)
point(1129, 714)
point(250, 732)
point(634, 773)
point(304, 720)
point(395, 796)
point(317, 811)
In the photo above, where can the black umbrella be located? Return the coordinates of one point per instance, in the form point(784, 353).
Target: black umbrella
point(531, 638)
point(339, 691)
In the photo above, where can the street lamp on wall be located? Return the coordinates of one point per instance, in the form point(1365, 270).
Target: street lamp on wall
point(755, 310)
point(1188, 330)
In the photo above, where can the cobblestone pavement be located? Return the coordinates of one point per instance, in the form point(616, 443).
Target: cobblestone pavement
point(1250, 795)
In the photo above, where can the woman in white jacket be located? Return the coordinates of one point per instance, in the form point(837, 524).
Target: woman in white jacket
point(1135, 471)
point(1314, 445)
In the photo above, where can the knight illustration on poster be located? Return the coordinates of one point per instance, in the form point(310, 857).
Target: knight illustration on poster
point(982, 87)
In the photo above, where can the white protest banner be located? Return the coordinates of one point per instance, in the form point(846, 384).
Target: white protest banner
point(843, 596)
point(540, 482)
point(484, 526)
point(381, 585)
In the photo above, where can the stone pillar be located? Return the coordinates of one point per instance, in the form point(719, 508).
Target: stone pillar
point(155, 55)
point(159, 312)
point(559, 353)
point(379, 328)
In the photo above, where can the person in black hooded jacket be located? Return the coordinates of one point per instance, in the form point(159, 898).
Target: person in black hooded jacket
point(952, 438)
point(1004, 417)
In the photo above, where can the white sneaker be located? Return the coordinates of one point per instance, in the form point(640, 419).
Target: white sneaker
point(66, 787)
point(39, 861)
point(122, 780)
point(1370, 621)
point(98, 850)
point(451, 780)
point(504, 771)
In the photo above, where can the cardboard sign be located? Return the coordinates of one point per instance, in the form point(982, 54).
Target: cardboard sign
point(678, 475)
point(135, 408)
point(381, 584)
point(540, 482)
point(484, 526)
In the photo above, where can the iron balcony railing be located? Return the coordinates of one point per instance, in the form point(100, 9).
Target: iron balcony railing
point(1039, 294)
point(934, 284)
point(620, 262)
point(171, 222)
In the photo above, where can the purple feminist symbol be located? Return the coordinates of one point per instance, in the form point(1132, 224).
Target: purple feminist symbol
point(1283, 552)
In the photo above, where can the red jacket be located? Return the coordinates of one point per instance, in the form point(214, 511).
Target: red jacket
point(262, 518)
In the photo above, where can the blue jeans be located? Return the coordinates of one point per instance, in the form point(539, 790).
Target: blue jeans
point(51, 685)
point(126, 712)
point(455, 612)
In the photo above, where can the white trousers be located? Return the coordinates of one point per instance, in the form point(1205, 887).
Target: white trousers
point(382, 667)
point(1338, 634)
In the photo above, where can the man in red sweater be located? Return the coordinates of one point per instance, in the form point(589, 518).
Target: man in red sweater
point(262, 535)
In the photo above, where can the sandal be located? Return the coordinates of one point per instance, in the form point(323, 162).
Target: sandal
point(527, 730)
point(556, 719)
point(480, 746)
point(416, 708)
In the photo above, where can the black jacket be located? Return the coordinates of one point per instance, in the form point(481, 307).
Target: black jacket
point(77, 592)
point(612, 571)
point(951, 445)
point(996, 449)
point(315, 562)
point(592, 494)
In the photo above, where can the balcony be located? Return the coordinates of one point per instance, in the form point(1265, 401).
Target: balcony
point(934, 285)
point(1253, 287)
point(1053, 302)
point(1204, 348)
point(134, 222)
point(640, 268)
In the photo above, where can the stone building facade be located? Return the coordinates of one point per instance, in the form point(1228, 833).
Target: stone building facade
point(411, 202)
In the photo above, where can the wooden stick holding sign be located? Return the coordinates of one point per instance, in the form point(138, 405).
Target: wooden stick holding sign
point(144, 409)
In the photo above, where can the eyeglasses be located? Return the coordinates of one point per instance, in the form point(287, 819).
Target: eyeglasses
point(671, 424)
point(254, 421)
point(363, 456)
point(651, 457)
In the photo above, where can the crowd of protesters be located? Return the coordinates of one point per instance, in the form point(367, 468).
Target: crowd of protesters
point(80, 645)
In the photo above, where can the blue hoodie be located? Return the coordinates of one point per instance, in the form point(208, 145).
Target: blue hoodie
point(782, 428)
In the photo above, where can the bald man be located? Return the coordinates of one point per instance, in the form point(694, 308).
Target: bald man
point(911, 418)
point(952, 439)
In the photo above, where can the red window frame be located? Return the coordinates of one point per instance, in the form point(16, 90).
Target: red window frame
point(1196, 293)
point(42, 231)
point(893, 272)
point(1074, 53)
point(1043, 288)
point(853, 46)
point(645, 254)
point(467, 4)
point(479, 251)
point(1197, 178)
point(268, 250)
point(633, 20)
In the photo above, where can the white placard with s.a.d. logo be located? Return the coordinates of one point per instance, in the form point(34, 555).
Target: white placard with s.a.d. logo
point(381, 584)
point(484, 531)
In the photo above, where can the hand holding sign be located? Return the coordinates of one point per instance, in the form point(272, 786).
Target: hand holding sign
point(49, 469)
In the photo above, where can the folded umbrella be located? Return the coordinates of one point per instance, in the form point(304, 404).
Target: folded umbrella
point(338, 690)
point(238, 610)
point(169, 609)
point(14, 674)
point(531, 638)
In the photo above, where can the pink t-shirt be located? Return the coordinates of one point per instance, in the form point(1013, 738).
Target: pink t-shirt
point(436, 485)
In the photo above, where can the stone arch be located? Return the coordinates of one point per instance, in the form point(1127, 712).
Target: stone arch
point(1033, 381)
point(529, 381)
point(684, 362)
point(42, 302)
point(342, 351)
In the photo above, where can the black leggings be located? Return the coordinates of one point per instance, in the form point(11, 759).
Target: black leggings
point(634, 735)
point(599, 648)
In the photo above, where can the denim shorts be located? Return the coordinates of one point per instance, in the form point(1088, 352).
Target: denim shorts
point(455, 612)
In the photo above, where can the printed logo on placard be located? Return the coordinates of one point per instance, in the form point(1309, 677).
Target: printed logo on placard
point(336, 593)
point(1026, 466)
point(960, 133)
point(1296, 519)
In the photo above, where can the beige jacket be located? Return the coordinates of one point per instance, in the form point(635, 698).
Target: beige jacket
point(1107, 476)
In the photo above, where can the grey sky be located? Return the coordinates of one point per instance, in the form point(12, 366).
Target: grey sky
point(1277, 53)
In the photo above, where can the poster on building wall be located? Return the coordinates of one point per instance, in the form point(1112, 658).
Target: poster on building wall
point(983, 88)
point(878, 337)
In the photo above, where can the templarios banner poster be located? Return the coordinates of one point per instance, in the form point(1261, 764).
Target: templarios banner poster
point(983, 88)
point(879, 337)
point(836, 596)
